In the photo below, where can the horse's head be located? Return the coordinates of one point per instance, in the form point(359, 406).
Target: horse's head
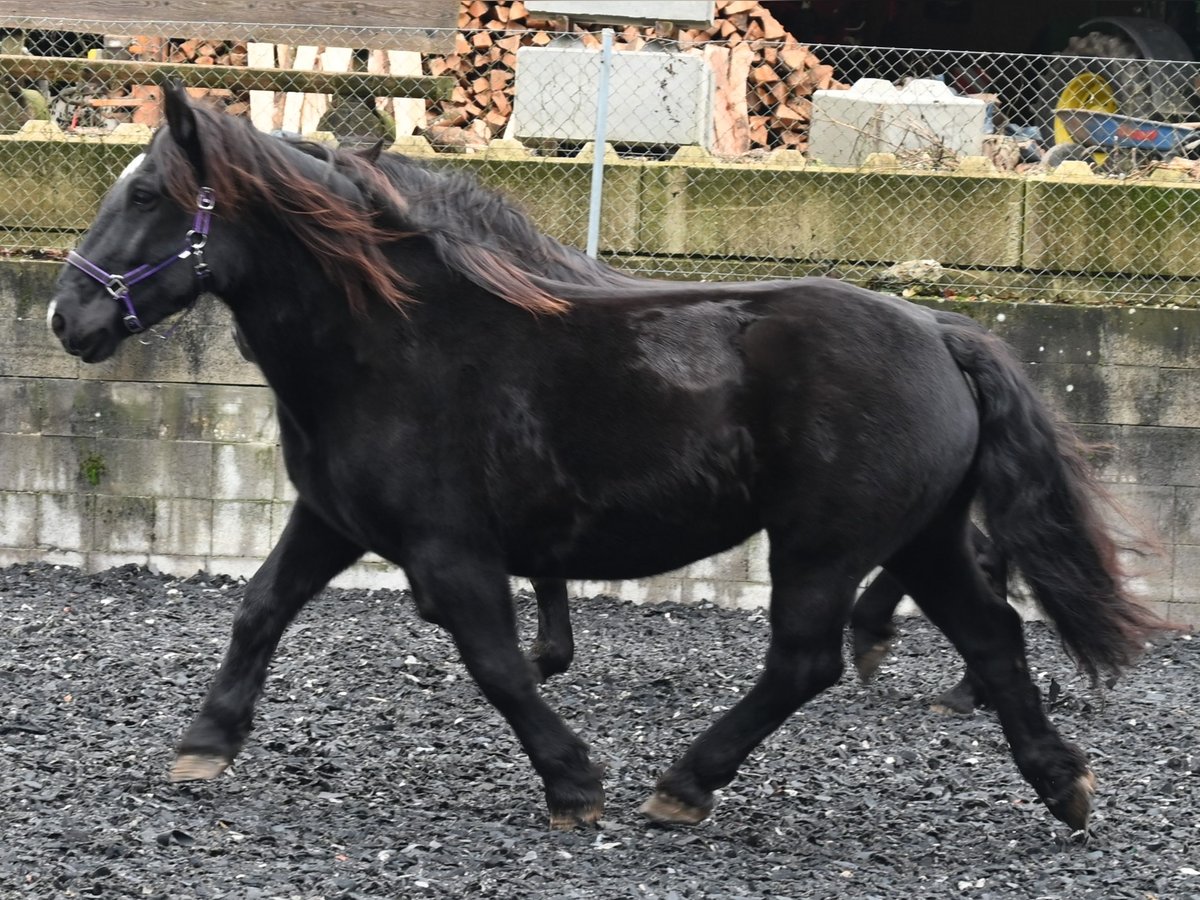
point(143, 258)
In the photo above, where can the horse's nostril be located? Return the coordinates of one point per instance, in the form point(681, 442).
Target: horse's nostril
point(58, 324)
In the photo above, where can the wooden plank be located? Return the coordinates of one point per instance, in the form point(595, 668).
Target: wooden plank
point(306, 58)
point(409, 114)
point(136, 72)
point(331, 59)
point(262, 103)
point(373, 24)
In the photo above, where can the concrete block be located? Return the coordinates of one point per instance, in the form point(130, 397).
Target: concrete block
point(655, 96)
point(732, 565)
point(372, 576)
point(1046, 334)
point(72, 558)
point(1118, 395)
point(23, 405)
point(1144, 512)
point(285, 491)
point(86, 408)
point(224, 414)
point(244, 471)
point(1147, 227)
point(124, 524)
point(234, 566)
point(758, 557)
point(660, 589)
point(1179, 401)
point(19, 556)
point(687, 210)
point(726, 594)
point(1185, 526)
point(1157, 456)
point(1140, 336)
point(27, 349)
point(874, 116)
point(18, 519)
point(154, 468)
point(241, 528)
point(1185, 614)
point(99, 561)
point(183, 527)
point(66, 521)
point(1187, 574)
point(281, 511)
point(183, 566)
point(37, 463)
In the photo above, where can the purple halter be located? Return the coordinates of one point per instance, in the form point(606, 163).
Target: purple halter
point(118, 285)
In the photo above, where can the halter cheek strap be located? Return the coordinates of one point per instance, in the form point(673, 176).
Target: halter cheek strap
point(118, 285)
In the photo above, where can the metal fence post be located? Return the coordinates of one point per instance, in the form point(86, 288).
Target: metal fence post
point(595, 200)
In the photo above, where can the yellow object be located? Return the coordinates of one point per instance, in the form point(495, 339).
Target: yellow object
point(1087, 90)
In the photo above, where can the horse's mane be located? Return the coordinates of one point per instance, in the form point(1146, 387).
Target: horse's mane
point(473, 231)
point(459, 214)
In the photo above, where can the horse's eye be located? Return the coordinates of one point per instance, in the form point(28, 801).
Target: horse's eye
point(142, 197)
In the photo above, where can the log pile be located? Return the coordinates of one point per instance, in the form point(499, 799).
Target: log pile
point(764, 77)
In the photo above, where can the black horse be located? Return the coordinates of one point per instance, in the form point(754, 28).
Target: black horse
point(448, 407)
point(553, 648)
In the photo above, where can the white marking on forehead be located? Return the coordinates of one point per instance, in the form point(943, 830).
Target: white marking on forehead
point(132, 167)
point(50, 314)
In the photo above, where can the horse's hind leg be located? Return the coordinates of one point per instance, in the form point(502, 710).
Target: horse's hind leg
point(554, 647)
point(308, 555)
point(871, 627)
point(809, 608)
point(944, 578)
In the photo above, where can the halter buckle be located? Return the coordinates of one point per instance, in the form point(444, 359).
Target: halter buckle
point(133, 323)
point(116, 286)
point(206, 199)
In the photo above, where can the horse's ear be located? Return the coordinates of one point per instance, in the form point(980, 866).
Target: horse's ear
point(371, 154)
point(181, 120)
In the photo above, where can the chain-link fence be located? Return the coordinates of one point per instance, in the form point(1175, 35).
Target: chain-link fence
point(993, 174)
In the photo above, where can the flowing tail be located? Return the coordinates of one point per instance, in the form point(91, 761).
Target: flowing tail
point(1040, 502)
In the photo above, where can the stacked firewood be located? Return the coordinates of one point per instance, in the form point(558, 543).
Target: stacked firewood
point(201, 53)
point(764, 77)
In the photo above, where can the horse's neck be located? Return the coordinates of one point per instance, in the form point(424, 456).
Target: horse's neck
point(304, 347)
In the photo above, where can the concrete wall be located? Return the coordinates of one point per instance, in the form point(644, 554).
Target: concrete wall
point(167, 454)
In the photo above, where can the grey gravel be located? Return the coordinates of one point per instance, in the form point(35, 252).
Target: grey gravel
point(377, 771)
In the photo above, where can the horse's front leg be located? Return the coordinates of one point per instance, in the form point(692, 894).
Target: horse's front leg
point(554, 647)
point(308, 555)
point(470, 598)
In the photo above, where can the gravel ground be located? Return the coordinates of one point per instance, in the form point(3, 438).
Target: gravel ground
point(376, 770)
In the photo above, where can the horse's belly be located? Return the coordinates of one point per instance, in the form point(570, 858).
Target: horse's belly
point(621, 545)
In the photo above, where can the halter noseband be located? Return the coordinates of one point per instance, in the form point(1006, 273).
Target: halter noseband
point(118, 285)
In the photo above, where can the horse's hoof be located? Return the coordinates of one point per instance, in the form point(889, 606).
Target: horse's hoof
point(664, 808)
point(952, 705)
point(867, 663)
point(564, 821)
point(1074, 805)
point(197, 767)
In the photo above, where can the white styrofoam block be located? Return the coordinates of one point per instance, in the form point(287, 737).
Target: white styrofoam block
point(655, 97)
point(681, 12)
point(875, 116)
